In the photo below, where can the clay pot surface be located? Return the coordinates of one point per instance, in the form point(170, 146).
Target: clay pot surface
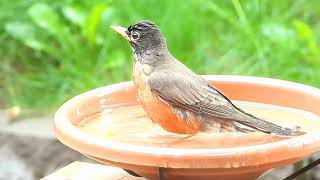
point(243, 161)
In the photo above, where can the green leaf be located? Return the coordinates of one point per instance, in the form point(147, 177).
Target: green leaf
point(94, 21)
point(74, 14)
point(23, 32)
point(45, 17)
point(306, 33)
point(19, 30)
point(34, 43)
point(276, 32)
point(303, 29)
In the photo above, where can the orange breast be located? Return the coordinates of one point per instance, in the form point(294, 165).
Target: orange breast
point(163, 114)
point(160, 112)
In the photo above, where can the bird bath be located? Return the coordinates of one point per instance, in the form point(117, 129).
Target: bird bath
point(107, 124)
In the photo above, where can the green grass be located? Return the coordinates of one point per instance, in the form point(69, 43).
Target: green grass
point(53, 50)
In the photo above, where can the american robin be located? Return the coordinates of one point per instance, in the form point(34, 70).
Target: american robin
point(176, 98)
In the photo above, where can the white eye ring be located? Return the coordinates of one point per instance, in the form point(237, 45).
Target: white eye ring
point(135, 35)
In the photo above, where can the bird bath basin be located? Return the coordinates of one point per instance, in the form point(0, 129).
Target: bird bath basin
point(108, 125)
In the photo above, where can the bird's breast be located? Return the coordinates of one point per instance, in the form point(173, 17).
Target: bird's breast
point(141, 73)
point(158, 110)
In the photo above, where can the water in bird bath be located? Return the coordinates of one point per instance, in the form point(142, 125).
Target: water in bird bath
point(130, 124)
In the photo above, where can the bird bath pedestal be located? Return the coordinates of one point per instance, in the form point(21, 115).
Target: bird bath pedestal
point(230, 156)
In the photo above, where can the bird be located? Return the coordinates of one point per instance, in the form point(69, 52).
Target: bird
point(178, 99)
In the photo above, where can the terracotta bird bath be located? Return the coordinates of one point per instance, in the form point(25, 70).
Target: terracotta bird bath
point(108, 125)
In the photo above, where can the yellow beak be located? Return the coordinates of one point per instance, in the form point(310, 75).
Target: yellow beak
point(121, 30)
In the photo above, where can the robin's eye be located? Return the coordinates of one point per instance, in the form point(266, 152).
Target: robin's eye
point(135, 35)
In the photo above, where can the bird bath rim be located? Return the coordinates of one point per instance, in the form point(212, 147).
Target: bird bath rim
point(261, 154)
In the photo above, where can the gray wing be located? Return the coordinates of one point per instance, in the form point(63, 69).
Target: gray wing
point(193, 93)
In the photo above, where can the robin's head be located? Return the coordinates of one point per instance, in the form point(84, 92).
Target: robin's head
point(142, 36)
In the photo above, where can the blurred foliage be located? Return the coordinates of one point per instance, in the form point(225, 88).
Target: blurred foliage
point(52, 50)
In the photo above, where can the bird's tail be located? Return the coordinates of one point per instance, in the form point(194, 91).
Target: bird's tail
point(268, 127)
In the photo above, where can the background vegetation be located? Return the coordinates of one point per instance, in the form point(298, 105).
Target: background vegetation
point(52, 50)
